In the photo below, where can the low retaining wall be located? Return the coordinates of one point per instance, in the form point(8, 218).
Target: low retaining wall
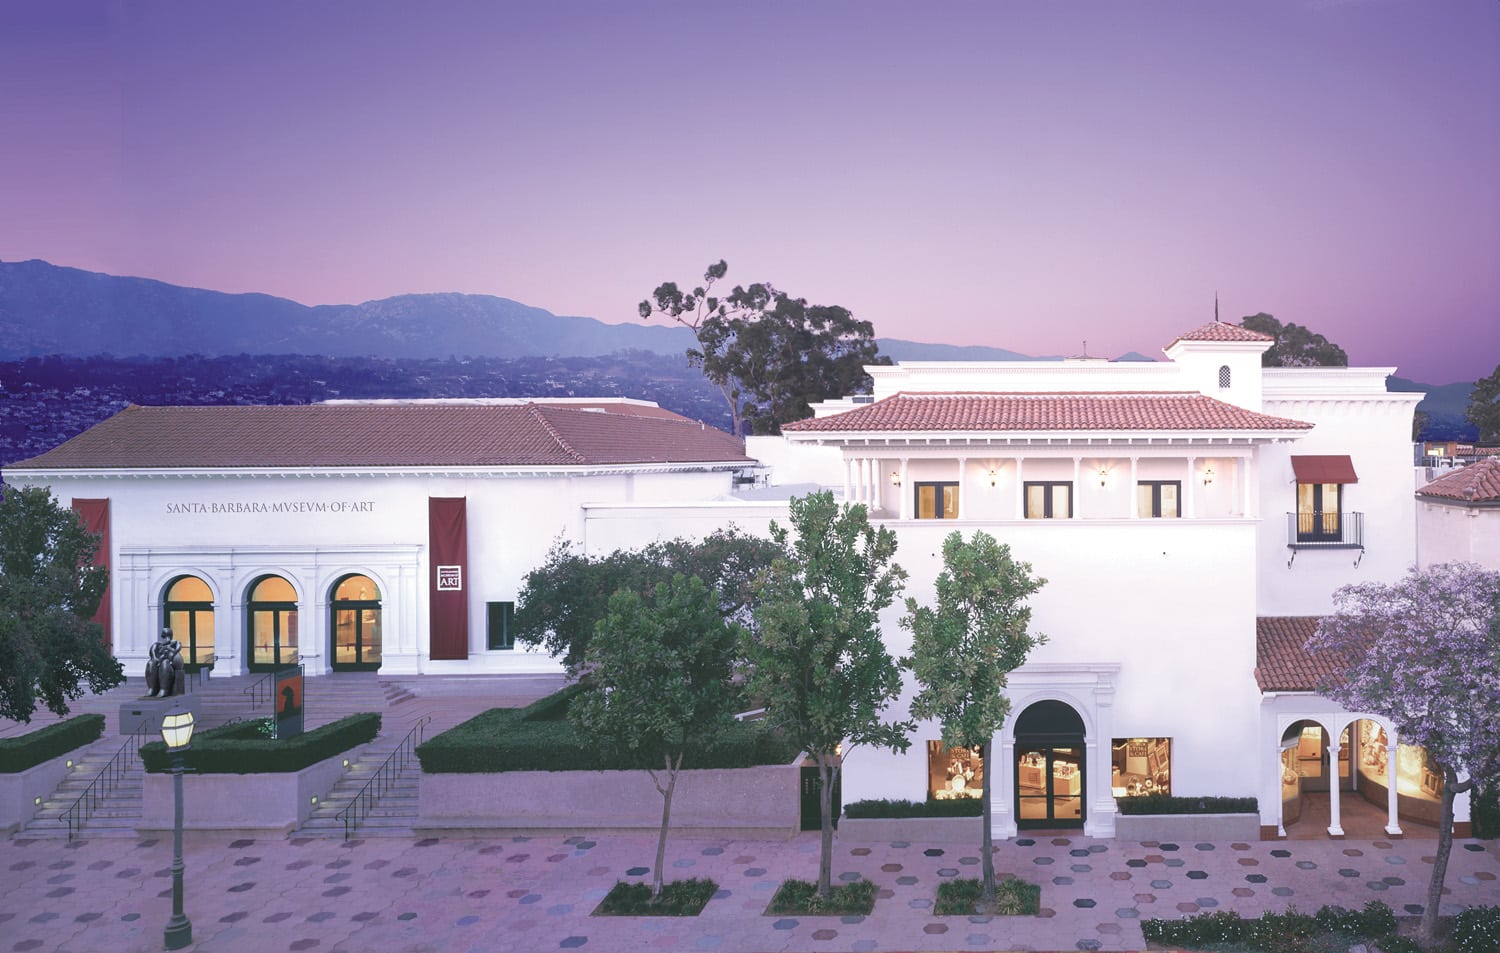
point(273, 803)
point(916, 830)
point(19, 791)
point(759, 802)
point(1187, 827)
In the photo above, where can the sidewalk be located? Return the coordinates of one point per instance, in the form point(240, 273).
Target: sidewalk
point(518, 893)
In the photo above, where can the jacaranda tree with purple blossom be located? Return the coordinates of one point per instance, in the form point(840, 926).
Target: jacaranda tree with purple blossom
point(1425, 653)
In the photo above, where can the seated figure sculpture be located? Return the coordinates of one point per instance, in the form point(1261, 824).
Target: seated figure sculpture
point(164, 666)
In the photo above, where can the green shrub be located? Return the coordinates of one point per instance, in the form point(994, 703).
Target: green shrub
point(1375, 920)
point(1217, 926)
point(1164, 804)
point(33, 748)
point(534, 738)
point(679, 898)
point(243, 748)
point(1484, 812)
point(1013, 897)
point(878, 807)
point(1477, 930)
point(800, 898)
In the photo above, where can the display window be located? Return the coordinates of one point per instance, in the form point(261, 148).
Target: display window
point(954, 772)
point(1416, 775)
point(1141, 766)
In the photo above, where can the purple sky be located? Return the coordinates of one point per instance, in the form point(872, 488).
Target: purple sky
point(1025, 175)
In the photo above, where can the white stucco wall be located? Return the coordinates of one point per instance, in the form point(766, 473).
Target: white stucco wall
point(1450, 532)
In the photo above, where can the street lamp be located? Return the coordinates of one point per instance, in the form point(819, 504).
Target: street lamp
point(177, 731)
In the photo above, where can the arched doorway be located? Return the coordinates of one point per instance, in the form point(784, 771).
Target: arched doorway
point(1050, 781)
point(355, 624)
point(188, 610)
point(271, 624)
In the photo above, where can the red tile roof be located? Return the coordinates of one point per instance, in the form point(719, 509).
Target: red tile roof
point(1216, 331)
point(1281, 662)
point(1476, 483)
point(1046, 412)
point(386, 435)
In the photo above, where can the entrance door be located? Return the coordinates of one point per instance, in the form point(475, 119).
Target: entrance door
point(1051, 782)
point(271, 623)
point(356, 625)
point(188, 611)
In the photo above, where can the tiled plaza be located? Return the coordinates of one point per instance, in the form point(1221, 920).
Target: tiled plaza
point(538, 893)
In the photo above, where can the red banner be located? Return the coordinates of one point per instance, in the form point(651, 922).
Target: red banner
point(448, 583)
point(94, 514)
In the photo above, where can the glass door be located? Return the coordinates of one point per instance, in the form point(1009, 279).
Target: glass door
point(1049, 785)
point(272, 624)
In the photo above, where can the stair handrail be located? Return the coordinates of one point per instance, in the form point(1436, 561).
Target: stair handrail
point(384, 777)
point(110, 775)
point(261, 686)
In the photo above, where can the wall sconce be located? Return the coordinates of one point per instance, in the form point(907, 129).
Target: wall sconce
point(895, 478)
point(993, 477)
point(1208, 476)
point(1103, 476)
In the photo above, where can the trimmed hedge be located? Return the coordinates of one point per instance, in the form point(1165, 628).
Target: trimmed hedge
point(1484, 811)
point(1291, 932)
point(540, 737)
point(876, 807)
point(243, 748)
point(1162, 804)
point(44, 744)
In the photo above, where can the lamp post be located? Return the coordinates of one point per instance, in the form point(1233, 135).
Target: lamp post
point(177, 731)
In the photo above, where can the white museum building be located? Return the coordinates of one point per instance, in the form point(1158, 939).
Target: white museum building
point(1192, 518)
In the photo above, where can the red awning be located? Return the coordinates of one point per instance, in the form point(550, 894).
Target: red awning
point(1324, 469)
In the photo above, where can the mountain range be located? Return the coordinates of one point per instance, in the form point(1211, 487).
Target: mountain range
point(48, 309)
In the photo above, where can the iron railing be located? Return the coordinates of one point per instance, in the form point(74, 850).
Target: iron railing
point(109, 778)
point(1320, 529)
point(385, 776)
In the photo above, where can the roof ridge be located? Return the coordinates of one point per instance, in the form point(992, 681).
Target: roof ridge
point(540, 416)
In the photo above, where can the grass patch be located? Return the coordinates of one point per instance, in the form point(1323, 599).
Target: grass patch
point(1013, 898)
point(679, 898)
point(800, 898)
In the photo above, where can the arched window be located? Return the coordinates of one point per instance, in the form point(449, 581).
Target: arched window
point(355, 623)
point(188, 610)
point(1223, 376)
point(271, 624)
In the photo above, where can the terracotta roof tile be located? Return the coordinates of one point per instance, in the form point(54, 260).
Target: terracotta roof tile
point(385, 435)
point(1476, 483)
point(1281, 662)
point(1046, 412)
point(1217, 331)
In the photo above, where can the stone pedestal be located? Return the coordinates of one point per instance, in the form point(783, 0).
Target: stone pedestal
point(150, 711)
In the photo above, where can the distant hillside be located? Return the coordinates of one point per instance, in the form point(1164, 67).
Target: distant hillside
point(46, 309)
point(1445, 405)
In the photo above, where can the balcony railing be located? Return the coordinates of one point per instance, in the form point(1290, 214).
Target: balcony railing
point(1319, 529)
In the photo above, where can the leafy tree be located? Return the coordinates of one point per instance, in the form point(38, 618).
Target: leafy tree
point(49, 590)
point(1295, 345)
point(1425, 653)
point(1484, 407)
point(818, 662)
point(659, 671)
point(965, 646)
point(769, 354)
point(563, 600)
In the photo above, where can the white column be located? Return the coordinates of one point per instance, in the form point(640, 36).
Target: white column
point(848, 479)
point(1077, 488)
point(1020, 492)
point(963, 491)
point(862, 480)
point(1392, 820)
point(1135, 493)
point(1191, 484)
point(1280, 799)
point(1334, 828)
point(904, 491)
